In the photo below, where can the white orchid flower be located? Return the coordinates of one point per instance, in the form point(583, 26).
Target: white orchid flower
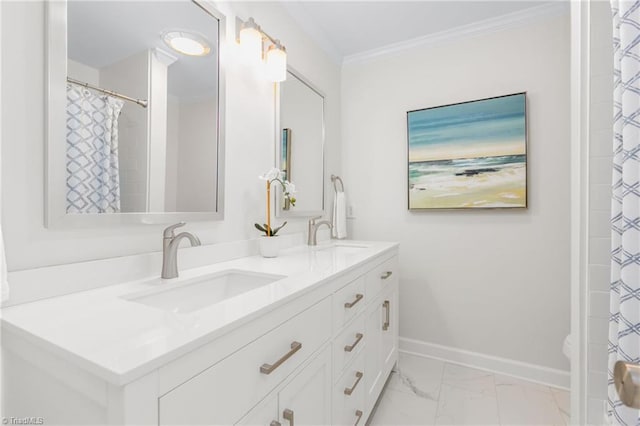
point(271, 175)
point(289, 187)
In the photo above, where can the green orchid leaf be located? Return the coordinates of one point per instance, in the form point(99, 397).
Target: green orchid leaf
point(260, 228)
point(278, 228)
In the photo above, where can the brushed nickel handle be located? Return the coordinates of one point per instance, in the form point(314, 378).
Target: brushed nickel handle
point(359, 416)
point(387, 306)
point(626, 377)
point(357, 299)
point(275, 423)
point(386, 275)
point(352, 346)
point(288, 415)
point(349, 391)
point(269, 368)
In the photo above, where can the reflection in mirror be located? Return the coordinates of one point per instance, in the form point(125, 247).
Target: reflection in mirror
point(142, 108)
point(300, 150)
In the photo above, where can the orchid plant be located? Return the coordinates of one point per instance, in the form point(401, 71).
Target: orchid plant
point(288, 188)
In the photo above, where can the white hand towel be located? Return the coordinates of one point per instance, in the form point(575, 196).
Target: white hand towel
point(339, 229)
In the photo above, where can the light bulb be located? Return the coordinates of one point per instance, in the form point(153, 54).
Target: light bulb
point(276, 66)
point(251, 42)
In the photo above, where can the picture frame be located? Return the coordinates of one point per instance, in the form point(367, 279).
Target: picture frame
point(285, 160)
point(468, 155)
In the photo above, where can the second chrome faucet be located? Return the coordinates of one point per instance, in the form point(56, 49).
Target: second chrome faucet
point(312, 239)
point(170, 243)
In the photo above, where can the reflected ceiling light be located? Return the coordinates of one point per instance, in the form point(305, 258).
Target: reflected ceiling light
point(251, 38)
point(276, 66)
point(187, 43)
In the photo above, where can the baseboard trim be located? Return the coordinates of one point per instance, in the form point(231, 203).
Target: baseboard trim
point(522, 370)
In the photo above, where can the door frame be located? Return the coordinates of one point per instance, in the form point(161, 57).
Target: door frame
point(579, 77)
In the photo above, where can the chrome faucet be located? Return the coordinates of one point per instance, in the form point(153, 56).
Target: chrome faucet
point(170, 243)
point(312, 239)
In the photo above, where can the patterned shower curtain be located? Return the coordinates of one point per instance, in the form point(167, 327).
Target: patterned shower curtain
point(624, 322)
point(93, 181)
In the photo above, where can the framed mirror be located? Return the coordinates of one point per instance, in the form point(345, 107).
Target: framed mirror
point(300, 144)
point(135, 112)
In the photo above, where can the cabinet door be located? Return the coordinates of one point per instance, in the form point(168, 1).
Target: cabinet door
point(306, 399)
point(264, 414)
point(389, 330)
point(373, 354)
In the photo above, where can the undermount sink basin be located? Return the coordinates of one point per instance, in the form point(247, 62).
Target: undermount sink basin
point(197, 293)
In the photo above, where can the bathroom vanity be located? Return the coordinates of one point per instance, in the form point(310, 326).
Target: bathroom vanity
point(307, 338)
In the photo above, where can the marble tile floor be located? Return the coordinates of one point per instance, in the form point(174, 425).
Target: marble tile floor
point(426, 391)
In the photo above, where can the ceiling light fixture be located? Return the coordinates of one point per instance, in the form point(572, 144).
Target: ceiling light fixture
point(187, 43)
point(251, 38)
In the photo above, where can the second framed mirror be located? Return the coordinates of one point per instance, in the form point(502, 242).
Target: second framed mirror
point(300, 144)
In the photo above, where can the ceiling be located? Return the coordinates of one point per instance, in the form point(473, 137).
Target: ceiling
point(104, 32)
point(345, 28)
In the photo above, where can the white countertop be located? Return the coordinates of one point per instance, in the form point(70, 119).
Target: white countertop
point(120, 340)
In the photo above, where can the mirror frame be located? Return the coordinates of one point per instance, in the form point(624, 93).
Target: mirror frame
point(279, 207)
point(55, 215)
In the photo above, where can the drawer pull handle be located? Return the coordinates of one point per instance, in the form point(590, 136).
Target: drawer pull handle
point(359, 416)
point(269, 368)
point(275, 423)
point(352, 346)
point(349, 391)
point(386, 275)
point(387, 307)
point(352, 304)
point(288, 415)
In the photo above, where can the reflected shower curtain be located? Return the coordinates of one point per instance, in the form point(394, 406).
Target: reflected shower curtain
point(624, 322)
point(93, 181)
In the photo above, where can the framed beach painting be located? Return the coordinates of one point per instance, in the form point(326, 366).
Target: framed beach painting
point(470, 155)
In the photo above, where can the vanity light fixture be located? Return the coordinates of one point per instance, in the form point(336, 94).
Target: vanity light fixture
point(187, 43)
point(276, 62)
point(252, 39)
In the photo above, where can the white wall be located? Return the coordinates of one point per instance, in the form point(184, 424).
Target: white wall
point(250, 133)
point(197, 180)
point(131, 77)
point(600, 171)
point(83, 72)
point(173, 136)
point(301, 111)
point(495, 282)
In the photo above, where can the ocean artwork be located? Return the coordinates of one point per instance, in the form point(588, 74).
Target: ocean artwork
point(469, 155)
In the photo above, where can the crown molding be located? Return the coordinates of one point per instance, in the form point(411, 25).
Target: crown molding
point(544, 11)
point(314, 31)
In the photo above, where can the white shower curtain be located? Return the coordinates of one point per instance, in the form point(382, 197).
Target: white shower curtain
point(93, 181)
point(624, 322)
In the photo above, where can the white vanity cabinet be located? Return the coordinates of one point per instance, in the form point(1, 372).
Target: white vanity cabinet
point(304, 400)
point(223, 393)
point(381, 318)
point(320, 358)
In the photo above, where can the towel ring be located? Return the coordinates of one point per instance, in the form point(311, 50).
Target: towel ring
point(334, 179)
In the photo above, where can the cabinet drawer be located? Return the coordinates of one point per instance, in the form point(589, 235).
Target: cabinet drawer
point(381, 277)
point(348, 302)
point(226, 391)
point(348, 395)
point(348, 344)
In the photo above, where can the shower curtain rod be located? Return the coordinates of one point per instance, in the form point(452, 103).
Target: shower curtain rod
point(140, 102)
